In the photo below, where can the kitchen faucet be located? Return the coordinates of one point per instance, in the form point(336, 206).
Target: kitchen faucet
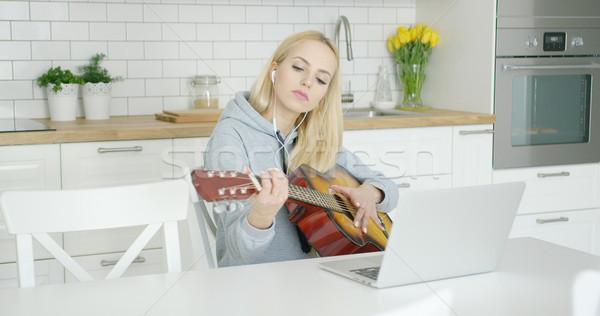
point(346, 97)
point(336, 36)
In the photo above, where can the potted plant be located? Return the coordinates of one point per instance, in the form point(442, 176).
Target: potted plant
point(96, 91)
point(62, 88)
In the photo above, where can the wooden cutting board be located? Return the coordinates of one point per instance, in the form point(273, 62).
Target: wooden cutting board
point(190, 116)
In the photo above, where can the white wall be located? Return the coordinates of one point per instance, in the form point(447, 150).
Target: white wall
point(158, 45)
point(460, 74)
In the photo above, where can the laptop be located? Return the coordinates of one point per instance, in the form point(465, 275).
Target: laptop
point(439, 234)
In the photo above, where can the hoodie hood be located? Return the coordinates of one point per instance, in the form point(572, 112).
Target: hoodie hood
point(240, 110)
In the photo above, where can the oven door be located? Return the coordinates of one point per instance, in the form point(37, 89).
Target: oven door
point(547, 111)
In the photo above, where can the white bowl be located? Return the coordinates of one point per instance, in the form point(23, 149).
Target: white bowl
point(384, 105)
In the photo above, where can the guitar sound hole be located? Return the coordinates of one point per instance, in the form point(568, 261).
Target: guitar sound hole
point(344, 206)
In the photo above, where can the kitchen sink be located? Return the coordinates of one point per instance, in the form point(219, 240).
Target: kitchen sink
point(363, 113)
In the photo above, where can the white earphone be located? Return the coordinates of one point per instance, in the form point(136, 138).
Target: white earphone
point(275, 130)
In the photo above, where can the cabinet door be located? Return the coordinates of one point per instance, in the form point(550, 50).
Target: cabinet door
point(554, 188)
point(30, 167)
point(472, 155)
point(98, 164)
point(403, 152)
point(105, 241)
point(188, 153)
point(26, 167)
point(574, 229)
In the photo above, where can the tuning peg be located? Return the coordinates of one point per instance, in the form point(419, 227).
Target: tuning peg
point(234, 206)
point(219, 208)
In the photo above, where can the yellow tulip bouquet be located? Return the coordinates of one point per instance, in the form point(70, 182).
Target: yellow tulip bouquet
point(411, 49)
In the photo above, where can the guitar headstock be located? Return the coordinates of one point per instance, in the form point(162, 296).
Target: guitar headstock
point(222, 185)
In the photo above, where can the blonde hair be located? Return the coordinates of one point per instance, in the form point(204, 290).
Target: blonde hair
point(320, 135)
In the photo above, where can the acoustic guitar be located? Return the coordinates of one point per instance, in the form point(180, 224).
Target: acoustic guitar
point(326, 218)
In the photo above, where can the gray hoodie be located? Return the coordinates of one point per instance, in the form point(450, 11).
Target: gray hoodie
point(242, 138)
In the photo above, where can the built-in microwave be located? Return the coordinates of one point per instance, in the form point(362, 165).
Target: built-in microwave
point(547, 96)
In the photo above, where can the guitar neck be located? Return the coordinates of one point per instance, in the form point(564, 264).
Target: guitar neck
point(314, 197)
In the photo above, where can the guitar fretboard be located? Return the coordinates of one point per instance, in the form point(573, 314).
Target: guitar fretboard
point(314, 197)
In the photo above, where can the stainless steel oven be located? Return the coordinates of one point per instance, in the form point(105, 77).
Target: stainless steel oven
point(547, 92)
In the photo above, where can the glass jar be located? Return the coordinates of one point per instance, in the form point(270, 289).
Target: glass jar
point(205, 91)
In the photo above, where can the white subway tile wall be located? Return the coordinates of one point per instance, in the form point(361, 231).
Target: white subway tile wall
point(157, 46)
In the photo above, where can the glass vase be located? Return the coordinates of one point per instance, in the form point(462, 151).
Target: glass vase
point(411, 76)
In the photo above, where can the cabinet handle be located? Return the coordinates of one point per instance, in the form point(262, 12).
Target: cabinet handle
point(552, 220)
point(404, 185)
point(556, 174)
point(483, 131)
point(106, 263)
point(119, 149)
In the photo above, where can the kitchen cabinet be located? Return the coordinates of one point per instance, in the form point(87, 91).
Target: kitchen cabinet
point(472, 155)
point(188, 153)
point(112, 163)
point(554, 188)
point(404, 153)
point(148, 261)
point(97, 164)
point(578, 229)
point(28, 167)
point(560, 204)
point(416, 158)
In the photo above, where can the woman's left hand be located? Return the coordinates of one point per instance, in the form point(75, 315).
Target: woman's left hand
point(364, 199)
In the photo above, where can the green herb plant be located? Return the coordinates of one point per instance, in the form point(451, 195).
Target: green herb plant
point(58, 76)
point(94, 73)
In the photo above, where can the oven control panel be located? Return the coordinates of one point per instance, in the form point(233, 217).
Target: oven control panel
point(555, 41)
point(512, 42)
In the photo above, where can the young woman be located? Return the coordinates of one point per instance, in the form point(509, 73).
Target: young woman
point(292, 116)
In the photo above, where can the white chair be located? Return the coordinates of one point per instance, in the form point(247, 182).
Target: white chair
point(202, 227)
point(36, 213)
point(586, 293)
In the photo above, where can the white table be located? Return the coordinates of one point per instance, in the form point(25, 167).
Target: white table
point(534, 278)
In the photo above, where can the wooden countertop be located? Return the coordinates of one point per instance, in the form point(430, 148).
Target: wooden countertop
point(147, 127)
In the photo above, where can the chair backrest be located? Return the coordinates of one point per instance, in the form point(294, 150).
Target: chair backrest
point(34, 214)
point(586, 293)
point(203, 229)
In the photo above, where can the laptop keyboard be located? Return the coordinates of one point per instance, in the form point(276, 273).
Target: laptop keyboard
point(370, 272)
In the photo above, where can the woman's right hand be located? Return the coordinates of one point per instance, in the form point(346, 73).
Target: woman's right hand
point(269, 200)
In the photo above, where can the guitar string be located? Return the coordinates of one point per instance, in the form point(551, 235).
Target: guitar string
point(309, 195)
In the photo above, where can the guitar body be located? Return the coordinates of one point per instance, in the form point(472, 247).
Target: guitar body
point(334, 233)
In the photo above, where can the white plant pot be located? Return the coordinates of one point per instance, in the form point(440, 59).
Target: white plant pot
point(62, 104)
point(96, 100)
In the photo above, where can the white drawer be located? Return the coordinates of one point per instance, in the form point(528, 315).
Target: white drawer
point(404, 151)
point(107, 240)
point(555, 188)
point(406, 184)
point(98, 164)
point(575, 229)
point(150, 262)
point(46, 272)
